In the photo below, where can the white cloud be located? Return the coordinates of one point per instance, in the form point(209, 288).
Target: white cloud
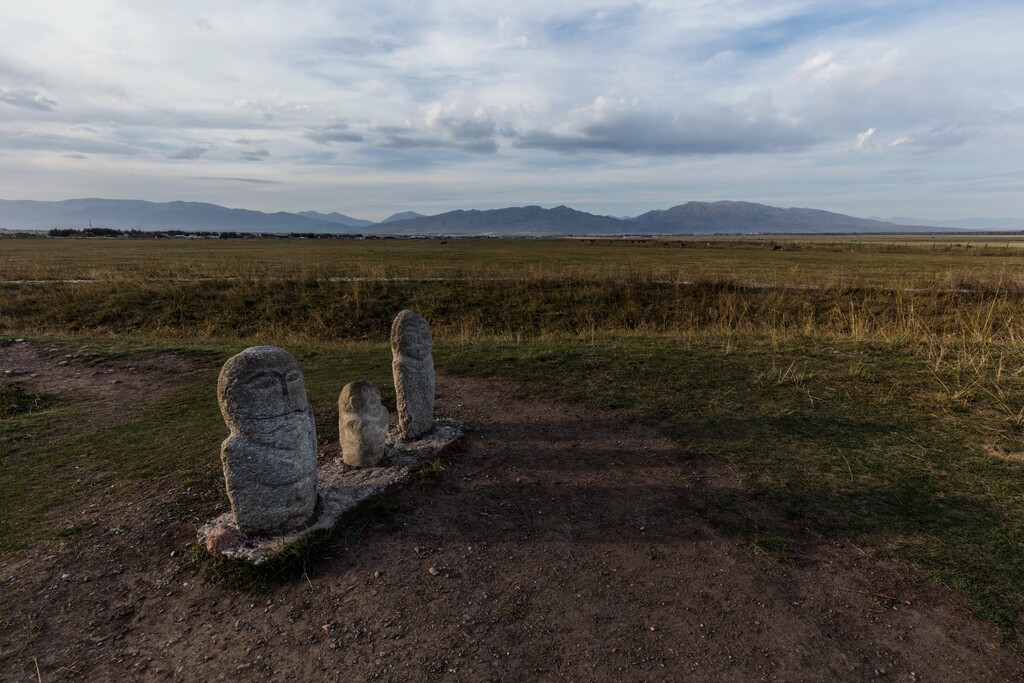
point(865, 137)
point(347, 89)
point(819, 67)
point(627, 126)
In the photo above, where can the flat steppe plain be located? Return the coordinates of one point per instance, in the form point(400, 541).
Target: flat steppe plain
point(710, 460)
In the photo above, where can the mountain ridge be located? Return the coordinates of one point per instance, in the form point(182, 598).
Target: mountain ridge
point(402, 216)
point(691, 218)
point(335, 217)
point(748, 217)
point(514, 220)
point(137, 214)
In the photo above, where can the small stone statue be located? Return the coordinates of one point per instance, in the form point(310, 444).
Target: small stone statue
point(270, 457)
point(362, 424)
point(413, 368)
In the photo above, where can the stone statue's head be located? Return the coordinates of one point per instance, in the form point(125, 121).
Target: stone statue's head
point(410, 335)
point(259, 383)
point(357, 397)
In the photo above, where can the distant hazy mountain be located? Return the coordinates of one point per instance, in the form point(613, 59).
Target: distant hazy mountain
point(520, 220)
point(695, 218)
point(403, 216)
point(964, 224)
point(335, 217)
point(126, 214)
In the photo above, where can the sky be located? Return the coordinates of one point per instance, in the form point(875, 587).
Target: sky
point(872, 108)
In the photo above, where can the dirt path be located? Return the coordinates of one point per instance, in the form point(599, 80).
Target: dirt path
point(567, 545)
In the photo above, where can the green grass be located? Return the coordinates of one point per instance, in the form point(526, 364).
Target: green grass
point(16, 399)
point(54, 465)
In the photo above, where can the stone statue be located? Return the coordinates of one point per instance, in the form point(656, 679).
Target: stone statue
point(270, 457)
point(362, 424)
point(413, 368)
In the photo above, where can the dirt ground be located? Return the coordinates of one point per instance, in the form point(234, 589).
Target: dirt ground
point(109, 391)
point(566, 545)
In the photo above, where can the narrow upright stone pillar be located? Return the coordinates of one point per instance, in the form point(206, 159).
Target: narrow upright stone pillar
point(413, 368)
point(362, 424)
point(270, 456)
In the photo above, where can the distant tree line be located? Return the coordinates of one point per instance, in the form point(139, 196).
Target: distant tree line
point(89, 232)
point(114, 232)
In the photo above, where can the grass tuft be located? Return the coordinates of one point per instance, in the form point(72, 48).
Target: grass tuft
point(17, 399)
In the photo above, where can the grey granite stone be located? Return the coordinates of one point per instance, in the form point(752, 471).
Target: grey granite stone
point(341, 488)
point(413, 368)
point(270, 456)
point(362, 424)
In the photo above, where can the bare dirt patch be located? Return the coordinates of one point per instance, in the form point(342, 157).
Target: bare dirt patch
point(559, 544)
point(107, 388)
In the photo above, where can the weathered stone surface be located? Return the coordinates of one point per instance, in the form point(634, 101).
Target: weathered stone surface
point(413, 368)
point(362, 424)
point(341, 488)
point(270, 457)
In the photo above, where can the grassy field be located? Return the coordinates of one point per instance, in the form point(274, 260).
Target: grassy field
point(798, 262)
point(873, 394)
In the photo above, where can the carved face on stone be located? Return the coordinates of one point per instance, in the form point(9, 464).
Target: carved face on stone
point(358, 397)
point(270, 456)
point(261, 383)
point(410, 335)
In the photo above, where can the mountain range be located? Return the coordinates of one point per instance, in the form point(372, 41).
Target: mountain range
point(520, 220)
point(335, 217)
point(127, 214)
point(692, 218)
point(747, 217)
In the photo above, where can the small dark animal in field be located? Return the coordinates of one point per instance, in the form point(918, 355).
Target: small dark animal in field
point(777, 247)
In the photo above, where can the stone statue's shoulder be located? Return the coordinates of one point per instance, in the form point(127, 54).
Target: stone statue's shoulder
point(232, 445)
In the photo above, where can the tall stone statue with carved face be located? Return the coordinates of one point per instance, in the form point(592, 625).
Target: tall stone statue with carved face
point(270, 457)
point(413, 368)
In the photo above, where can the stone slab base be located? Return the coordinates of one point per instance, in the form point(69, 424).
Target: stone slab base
point(340, 488)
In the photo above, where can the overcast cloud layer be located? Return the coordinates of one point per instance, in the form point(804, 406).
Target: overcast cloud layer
point(901, 107)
